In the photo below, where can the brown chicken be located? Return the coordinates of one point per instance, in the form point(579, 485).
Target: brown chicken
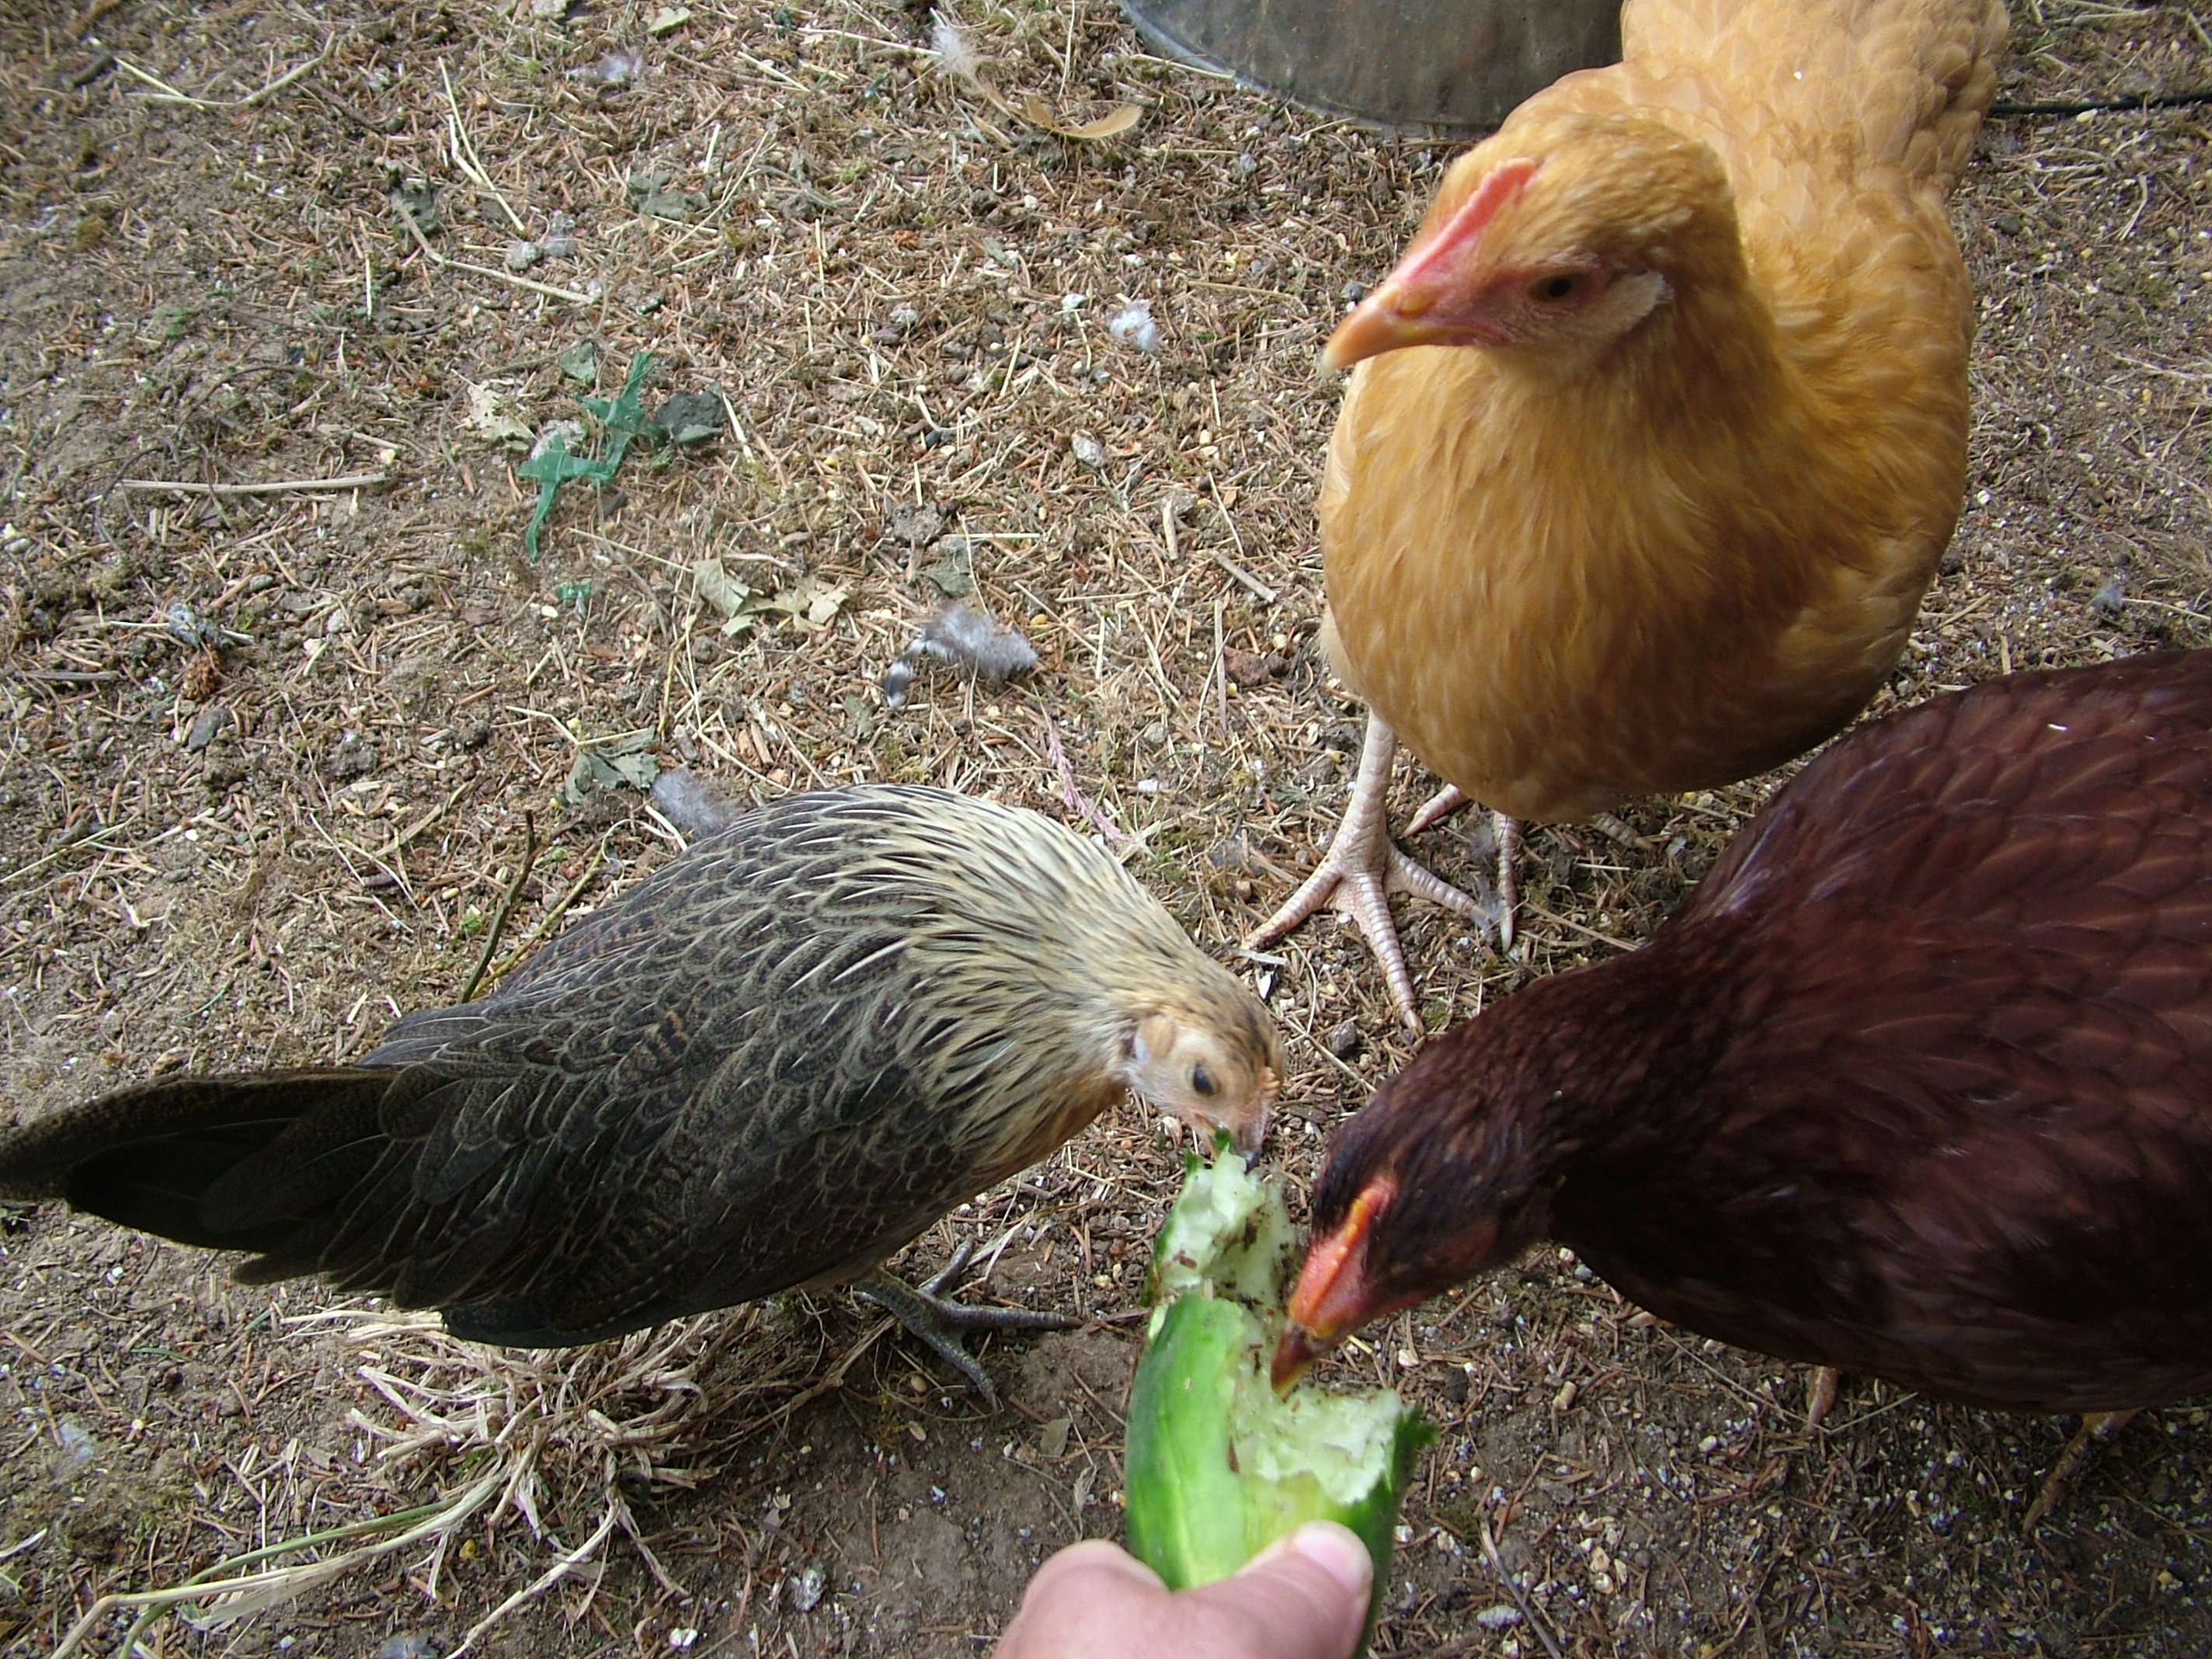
point(1919, 1082)
point(1659, 428)
point(771, 1063)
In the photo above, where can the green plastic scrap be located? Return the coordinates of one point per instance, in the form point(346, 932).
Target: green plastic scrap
point(622, 420)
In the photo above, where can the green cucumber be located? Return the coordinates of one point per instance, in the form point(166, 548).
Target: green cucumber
point(1218, 1466)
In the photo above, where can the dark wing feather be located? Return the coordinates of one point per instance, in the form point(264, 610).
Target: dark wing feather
point(1962, 1136)
point(705, 1093)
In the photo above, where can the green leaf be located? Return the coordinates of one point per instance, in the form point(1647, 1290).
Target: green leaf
point(581, 361)
point(651, 194)
point(624, 761)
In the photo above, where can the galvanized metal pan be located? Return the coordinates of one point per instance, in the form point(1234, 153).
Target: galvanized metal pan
point(1441, 67)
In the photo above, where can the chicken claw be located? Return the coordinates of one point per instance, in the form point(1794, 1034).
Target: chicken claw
point(937, 1320)
point(2097, 1427)
point(1440, 806)
point(1362, 868)
point(1820, 1395)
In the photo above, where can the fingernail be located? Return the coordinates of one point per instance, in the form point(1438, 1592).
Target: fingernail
point(1336, 1550)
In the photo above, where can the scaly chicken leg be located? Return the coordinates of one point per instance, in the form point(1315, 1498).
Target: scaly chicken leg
point(1504, 841)
point(2097, 1427)
point(938, 1321)
point(1362, 868)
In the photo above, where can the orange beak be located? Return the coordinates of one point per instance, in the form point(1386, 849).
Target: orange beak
point(1413, 306)
point(1333, 1297)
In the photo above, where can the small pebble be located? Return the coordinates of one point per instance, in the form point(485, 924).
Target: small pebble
point(211, 723)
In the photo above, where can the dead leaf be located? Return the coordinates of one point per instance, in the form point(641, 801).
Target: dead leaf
point(812, 604)
point(956, 57)
point(718, 588)
point(1112, 124)
point(491, 419)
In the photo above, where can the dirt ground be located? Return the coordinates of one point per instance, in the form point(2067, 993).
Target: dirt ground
point(267, 757)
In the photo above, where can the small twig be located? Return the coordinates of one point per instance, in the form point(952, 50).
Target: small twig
point(545, 1581)
point(420, 1520)
point(281, 487)
point(506, 905)
point(93, 14)
point(91, 72)
point(2121, 101)
point(1513, 1588)
point(1534, 909)
point(464, 152)
point(1078, 802)
point(440, 259)
point(166, 94)
point(1259, 589)
point(92, 842)
point(560, 908)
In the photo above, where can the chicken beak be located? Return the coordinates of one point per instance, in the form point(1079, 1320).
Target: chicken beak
point(1250, 1126)
point(1423, 302)
point(1296, 1349)
point(1333, 1297)
point(1381, 323)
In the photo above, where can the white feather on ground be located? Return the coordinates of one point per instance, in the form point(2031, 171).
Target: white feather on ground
point(961, 634)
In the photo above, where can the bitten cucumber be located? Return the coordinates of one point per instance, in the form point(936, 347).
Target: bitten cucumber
point(1218, 1466)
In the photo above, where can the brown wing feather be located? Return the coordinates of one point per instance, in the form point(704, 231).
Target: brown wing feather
point(1963, 1133)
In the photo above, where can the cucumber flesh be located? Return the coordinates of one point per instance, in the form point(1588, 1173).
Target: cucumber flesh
point(1218, 1465)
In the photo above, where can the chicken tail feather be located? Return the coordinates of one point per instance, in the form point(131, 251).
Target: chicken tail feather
point(1912, 78)
point(208, 1161)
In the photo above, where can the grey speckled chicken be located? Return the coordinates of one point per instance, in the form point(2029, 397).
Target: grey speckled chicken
point(770, 1063)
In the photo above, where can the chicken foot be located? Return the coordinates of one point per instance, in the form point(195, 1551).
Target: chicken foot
point(2097, 1427)
point(938, 1322)
point(1363, 867)
point(1504, 841)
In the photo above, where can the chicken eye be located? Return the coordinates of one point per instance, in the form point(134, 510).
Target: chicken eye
point(1201, 1082)
point(1550, 291)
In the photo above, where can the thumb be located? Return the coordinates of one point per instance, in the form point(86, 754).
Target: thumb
point(1303, 1596)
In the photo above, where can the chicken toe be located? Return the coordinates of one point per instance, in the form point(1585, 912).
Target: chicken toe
point(1820, 1395)
point(1439, 807)
point(938, 1322)
point(1362, 868)
point(2097, 1427)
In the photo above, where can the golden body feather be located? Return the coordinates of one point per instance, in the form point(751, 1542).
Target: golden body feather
point(1570, 568)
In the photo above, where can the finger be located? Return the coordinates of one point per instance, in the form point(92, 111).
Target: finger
point(1304, 1597)
point(1090, 1601)
point(1094, 1560)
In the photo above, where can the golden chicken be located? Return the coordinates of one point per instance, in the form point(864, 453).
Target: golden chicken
point(1659, 428)
point(771, 1063)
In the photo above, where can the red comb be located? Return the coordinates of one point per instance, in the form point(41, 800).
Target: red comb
point(1459, 233)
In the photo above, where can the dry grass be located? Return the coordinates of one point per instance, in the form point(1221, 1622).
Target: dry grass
point(875, 270)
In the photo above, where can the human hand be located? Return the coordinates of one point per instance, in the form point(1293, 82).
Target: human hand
point(1302, 1597)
